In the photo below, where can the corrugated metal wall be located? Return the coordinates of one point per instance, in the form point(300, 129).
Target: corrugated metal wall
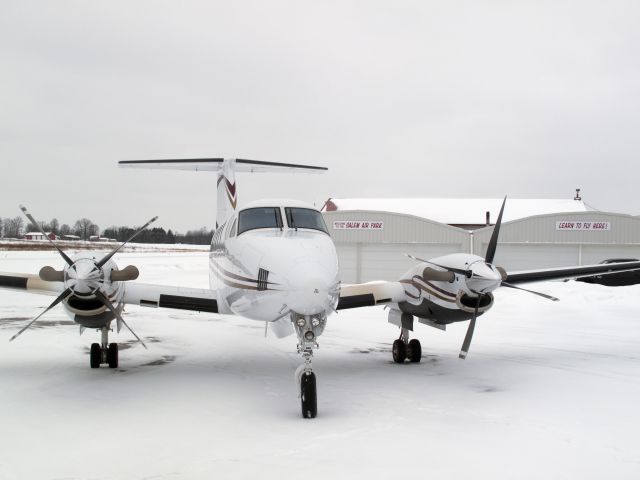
point(366, 255)
point(530, 243)
point(535, 242)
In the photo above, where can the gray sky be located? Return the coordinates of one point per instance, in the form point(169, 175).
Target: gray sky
point(397, 98)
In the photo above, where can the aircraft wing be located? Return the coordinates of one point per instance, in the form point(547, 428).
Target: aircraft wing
point(29, 283)
point(567, 273)
point(145, 295)
point(369, 294)
point(164, 296)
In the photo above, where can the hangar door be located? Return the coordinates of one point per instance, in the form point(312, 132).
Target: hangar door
point(523, 256)
point(592, 254)
point(366, 262)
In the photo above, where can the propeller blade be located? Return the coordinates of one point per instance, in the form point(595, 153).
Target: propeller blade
point(459, 271)
point(103, 298)
point(472, 325)
point(543, 295)
point(437, 276)
point(128, 273)
point(50, 274)
point(60, 298)
point(108, 256)
point(37, 225)
point(493, 243)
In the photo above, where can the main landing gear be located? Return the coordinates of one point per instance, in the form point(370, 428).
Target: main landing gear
point(404, 349)
point(105, 353)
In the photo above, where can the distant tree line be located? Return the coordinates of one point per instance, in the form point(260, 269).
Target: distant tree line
point(160, 235)
point(84, 228)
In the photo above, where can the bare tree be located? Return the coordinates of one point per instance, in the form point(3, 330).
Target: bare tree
point(54, 226)
point(83, 228)
point(65, 229)
point(13, 227)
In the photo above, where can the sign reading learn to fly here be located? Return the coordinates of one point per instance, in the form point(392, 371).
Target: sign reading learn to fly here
point(584, 226)
point(357, 225)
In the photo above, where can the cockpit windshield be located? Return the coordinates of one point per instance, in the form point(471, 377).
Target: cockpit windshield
point(263, 217)
point(305, 218)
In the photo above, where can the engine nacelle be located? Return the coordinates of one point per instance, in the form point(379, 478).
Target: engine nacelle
point(467, 303)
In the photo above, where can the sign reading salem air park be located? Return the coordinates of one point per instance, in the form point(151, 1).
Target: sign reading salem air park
point(584, 226)
point(357, 225)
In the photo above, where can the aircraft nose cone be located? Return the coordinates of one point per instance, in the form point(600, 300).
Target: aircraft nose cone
point(310, 291)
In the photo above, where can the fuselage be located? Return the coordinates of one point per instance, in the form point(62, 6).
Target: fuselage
point(273, 258)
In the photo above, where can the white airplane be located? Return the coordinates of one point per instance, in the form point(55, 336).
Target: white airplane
point(274, 261)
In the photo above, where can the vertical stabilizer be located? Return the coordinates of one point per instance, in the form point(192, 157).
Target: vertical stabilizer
point(226, 168)
point(227, 200)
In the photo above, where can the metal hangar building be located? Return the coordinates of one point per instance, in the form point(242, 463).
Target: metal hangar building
point(373, 234)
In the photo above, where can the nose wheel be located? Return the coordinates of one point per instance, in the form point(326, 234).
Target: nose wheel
point(306, 380)
point(107, 353)
point(308, 395)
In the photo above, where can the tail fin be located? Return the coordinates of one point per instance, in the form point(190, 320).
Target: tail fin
point(226, 167)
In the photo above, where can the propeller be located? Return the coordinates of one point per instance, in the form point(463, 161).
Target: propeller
point(543, 295)
point(39, 227)
point(493, 242)
point(484, 283)
point(85, 277)
point(60, 298)
point(472, 325)
point(488, 258)
point(120, 321)
point(467, 273)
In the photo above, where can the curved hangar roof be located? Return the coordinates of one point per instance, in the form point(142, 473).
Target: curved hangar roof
point(459, 211)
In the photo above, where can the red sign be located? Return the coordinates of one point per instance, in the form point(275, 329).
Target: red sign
point(358, 225)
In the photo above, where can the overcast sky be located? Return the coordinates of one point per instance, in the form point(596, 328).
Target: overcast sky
point(398, 98)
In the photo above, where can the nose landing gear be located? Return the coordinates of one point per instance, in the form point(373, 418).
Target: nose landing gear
point(308, 328)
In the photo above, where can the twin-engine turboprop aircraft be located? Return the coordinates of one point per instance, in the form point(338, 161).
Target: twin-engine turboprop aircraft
point(274, 261)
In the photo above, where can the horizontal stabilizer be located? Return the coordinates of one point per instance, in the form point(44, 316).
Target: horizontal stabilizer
point(215, 165)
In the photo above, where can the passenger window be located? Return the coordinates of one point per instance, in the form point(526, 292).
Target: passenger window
point(305, 218)
point(263, 217)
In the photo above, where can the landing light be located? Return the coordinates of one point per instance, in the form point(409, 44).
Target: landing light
point(315, 322)
point(309, 335)
point(301, 322)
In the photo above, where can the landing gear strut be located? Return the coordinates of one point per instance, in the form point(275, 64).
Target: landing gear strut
point(308, 328)
point(403, 348)
point(105, 353)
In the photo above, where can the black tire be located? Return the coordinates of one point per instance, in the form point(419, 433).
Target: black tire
point(95, 357)
point(415, 351)
point(112, 355)
point(399, 351)
point(308, 395)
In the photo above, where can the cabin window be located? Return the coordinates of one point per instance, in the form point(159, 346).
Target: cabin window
point(305, 218)
point(262, 217)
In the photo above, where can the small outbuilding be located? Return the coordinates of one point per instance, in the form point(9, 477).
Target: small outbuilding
point(39, 236)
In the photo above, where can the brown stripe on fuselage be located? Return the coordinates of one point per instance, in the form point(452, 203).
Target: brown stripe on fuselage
point(237, 277)
point(229, 283)
point(424, 286)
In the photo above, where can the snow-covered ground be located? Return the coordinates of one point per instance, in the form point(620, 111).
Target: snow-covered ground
point(549, 390)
